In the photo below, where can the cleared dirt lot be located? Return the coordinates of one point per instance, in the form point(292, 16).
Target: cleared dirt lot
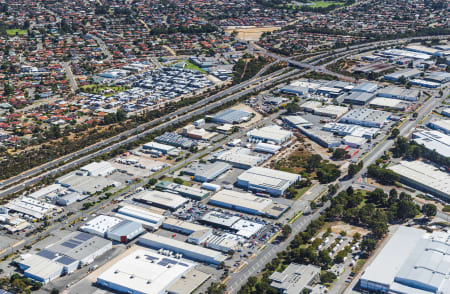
point(250, 33)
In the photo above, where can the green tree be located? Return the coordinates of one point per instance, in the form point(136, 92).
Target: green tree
point(292, 107)
point(395, 132)
point(429, 210)
point(339, 154)
point(327, 277)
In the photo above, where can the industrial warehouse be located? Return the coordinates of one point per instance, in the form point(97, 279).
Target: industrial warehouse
point(412, 261)
point(185, 191)
point(187, 250)
point(149, 220)
point(134, 273)
point(271, 133)
point(247, 203)
point(113, 228)
point(424, 177)
point(266, 180)
point(160, 199)
point(75, 250)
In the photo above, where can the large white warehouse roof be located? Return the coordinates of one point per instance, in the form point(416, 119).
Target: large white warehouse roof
point(144, 271)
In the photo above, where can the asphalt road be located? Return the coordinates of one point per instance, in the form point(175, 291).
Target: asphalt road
point(180, 115)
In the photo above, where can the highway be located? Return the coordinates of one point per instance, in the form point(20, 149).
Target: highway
point(255, 80)
point(180, 115)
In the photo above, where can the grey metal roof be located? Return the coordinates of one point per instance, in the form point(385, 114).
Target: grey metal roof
point(231, 116)
point(125, 227)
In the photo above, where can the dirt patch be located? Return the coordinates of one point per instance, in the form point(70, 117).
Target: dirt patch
point(292, 159)
point(338, 227)
point(250, 33)
point(256, 116)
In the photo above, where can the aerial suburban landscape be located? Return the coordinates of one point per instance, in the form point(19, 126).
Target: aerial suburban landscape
point(224, 147)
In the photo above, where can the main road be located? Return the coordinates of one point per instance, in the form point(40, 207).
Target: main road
point(184, 114)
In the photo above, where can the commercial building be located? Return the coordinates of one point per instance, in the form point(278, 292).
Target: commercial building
point(297, 121)
point(265, 180)
point(100, 225)
point(295, 278)
point(294, 90)
point(222, 243)
point(207, 172)
point(219, 220)
point(353, 142)
point(424, 177)
point(31, 207)
point(316, 107)
point(53, 189)
point(246, 229)
point(389, 103)
point(197, 234)
point(113, 228)
point(352, 130)
point(144, 272)
point(358, 98)
point(406, 53)
point(266, 148)
point(187, 250)
point(399, 93)
point(412, 261)
point(185, 191)
point(69, 198)
point(232, 116)
point(160, 199)
point(191, 281)
point(197, 133)
point(439, 77)
point(405, 73)
point(163, 148)
point(239, 201)
point(442, 125)
point(324, 139)
point(433, 140)
point(309, 106)
point(446, 112)
point(141, 215)
point(366, 87)
point(333, 111)
point(175, 140)
point(64, 257)
point(244, 202)
point(425, 83)
point(422, 49)
point(366, 117)
point(271, 133)
point(97, 169)
point(240, 157)
point(85, 184)
point(125, 231)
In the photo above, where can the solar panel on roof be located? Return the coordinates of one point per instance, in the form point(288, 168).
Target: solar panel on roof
point(78, 242)
point(149, 257)
point(47, 254)
point(162, 263)
point(66, 260)
point(169, 261)
point(83, 236)
point(183, 264)
point(69, 244)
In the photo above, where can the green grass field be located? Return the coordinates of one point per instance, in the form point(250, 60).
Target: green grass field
point(323, 4)
point(190, 65)
point(14, 32)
